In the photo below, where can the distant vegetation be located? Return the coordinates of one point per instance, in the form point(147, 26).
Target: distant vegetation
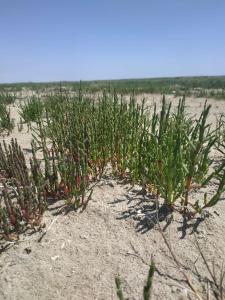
point(6, 123)
point(201, 86)
point(7, 98)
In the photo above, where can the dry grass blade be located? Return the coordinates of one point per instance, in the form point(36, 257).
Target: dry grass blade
point(179, 265)
point(219, 285)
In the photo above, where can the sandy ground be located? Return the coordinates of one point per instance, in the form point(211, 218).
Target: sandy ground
point(81, 253)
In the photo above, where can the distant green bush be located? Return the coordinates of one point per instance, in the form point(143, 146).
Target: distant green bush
point(7, 98)
point(6, 123)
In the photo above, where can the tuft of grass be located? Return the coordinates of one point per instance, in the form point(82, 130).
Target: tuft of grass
point(7, 98)
point(31, 110)
point(6, 123)
point(175, 153)
point(119, 291)
point(147, 290)
point(22, 198)
point(148, 287)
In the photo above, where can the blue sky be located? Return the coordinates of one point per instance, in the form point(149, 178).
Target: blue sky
point(50, 40)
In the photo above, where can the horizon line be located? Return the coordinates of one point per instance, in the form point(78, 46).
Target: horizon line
point(112, 79)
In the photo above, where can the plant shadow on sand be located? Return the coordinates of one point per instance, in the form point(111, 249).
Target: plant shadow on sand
point(144, 211)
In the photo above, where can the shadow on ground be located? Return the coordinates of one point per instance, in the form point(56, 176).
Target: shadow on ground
point(143, 208)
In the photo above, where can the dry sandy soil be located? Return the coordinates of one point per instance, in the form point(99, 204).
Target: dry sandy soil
point(81, 253)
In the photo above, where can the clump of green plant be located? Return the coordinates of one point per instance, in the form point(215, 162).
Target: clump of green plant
point(175, 156)
point(147, 290)
point(6, 123)
point(80, 137)
point(7, 98)
point(212, 93)
point(22, 197)
point(31, 110)
point(167, 152)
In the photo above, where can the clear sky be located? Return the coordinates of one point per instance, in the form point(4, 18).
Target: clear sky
point(52, 40)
